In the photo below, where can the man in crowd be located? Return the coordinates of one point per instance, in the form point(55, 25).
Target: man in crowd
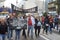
point(56, 21)
point(31, 23)
point(9, 23)
point(50, 23)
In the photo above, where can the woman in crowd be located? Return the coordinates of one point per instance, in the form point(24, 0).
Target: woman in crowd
point(25, 25)
point(37, 26)
point(46, 23)
point(3, 29)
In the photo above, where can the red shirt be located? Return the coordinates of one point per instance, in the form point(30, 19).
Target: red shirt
point(50, 19)
point(43, 19)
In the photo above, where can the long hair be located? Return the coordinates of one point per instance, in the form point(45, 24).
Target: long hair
point(24, 16)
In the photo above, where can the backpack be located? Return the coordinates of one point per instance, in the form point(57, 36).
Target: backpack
point(56, 19)
point(29, 21)
point(39, 23)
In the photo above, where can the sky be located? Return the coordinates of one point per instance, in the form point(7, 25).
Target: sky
point(7, 3)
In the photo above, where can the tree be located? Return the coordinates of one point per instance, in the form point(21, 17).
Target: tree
point(45, 14)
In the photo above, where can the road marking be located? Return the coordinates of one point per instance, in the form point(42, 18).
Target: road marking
point(44, 37)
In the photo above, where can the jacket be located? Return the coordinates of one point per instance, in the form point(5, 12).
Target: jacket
point(3, 28)
point(9, 21)
point(46, 21)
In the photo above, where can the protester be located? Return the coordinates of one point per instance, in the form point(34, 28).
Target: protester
point(3, 29)
point(37, 26)
point(36, 21)
point(25, 25)
point(42, 20)
point(46, 23)
point(31, 23)
point(9, 23)
point(56, 21)
point(50, 23)
point(16, 24)
point(18, 29)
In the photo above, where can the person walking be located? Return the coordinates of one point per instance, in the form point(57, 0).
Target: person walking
point(17, 29)
point(36, 21)
point(37, 26)
point(56, 21)
point(3, 29)
point(17, 26)
point(31, 23)
point(10, 26)
point(42, 20)
point(50, 23)
point(46, 23)
point(25, 26)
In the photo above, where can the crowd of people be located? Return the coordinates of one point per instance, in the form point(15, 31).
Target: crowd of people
point(18, 23)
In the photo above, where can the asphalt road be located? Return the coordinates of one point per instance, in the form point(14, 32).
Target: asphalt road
point(53, 36)
point(28, 38)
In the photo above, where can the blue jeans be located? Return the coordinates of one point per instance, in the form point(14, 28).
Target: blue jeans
point(17, 37)
point(30, 28)
point(56, 26)
point(3, 36)
point(50, 29)
point(10, 33)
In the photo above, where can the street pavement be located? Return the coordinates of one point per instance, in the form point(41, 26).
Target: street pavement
point(28, 38)
point(53, 36)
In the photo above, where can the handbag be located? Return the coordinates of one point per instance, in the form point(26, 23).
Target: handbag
point(39, 23)
point(25, 26)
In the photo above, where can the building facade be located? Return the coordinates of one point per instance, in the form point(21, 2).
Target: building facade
point(58, 6)
point(52, 7)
